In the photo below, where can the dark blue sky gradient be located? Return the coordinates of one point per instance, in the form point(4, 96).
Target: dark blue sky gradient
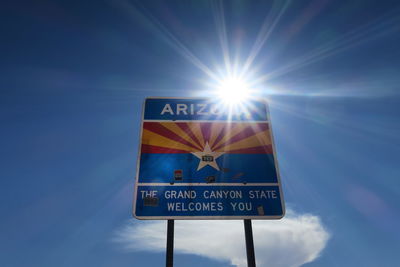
point(73, 77)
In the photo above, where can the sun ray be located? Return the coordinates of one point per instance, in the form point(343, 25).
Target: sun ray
point(372, 30)
point(245, 132)
point(266, 29)
point(159, 129)
point(185, 126)
point(259, 139)
point(227, 132)
point(216, 129)
point(139, 11)
point(185, 134)
point(195, 128)
point(219, 18)
point(153, 139)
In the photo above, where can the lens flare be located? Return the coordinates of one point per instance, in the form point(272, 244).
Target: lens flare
point(233, 90)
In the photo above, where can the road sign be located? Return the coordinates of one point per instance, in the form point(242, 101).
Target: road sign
point(201, 160)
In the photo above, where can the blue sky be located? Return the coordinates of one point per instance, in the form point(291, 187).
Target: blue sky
point(73, 78)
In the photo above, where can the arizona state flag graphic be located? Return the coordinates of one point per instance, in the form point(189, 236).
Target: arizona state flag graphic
point(198, 159)
point(230, 152)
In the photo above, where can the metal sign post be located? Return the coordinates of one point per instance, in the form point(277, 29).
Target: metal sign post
point(201, 160)
point(170, 244)
point(248, 232)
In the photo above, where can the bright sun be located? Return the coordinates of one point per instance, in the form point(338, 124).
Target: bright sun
point(233, 90)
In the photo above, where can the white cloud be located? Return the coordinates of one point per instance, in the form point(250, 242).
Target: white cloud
point(290, 242)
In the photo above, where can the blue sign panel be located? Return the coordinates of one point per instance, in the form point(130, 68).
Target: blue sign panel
point(199, 159)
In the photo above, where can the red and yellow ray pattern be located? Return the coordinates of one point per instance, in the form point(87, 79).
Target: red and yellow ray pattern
point(187, 137)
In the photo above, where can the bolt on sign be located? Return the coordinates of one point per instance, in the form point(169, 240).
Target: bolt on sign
point(199, 159)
